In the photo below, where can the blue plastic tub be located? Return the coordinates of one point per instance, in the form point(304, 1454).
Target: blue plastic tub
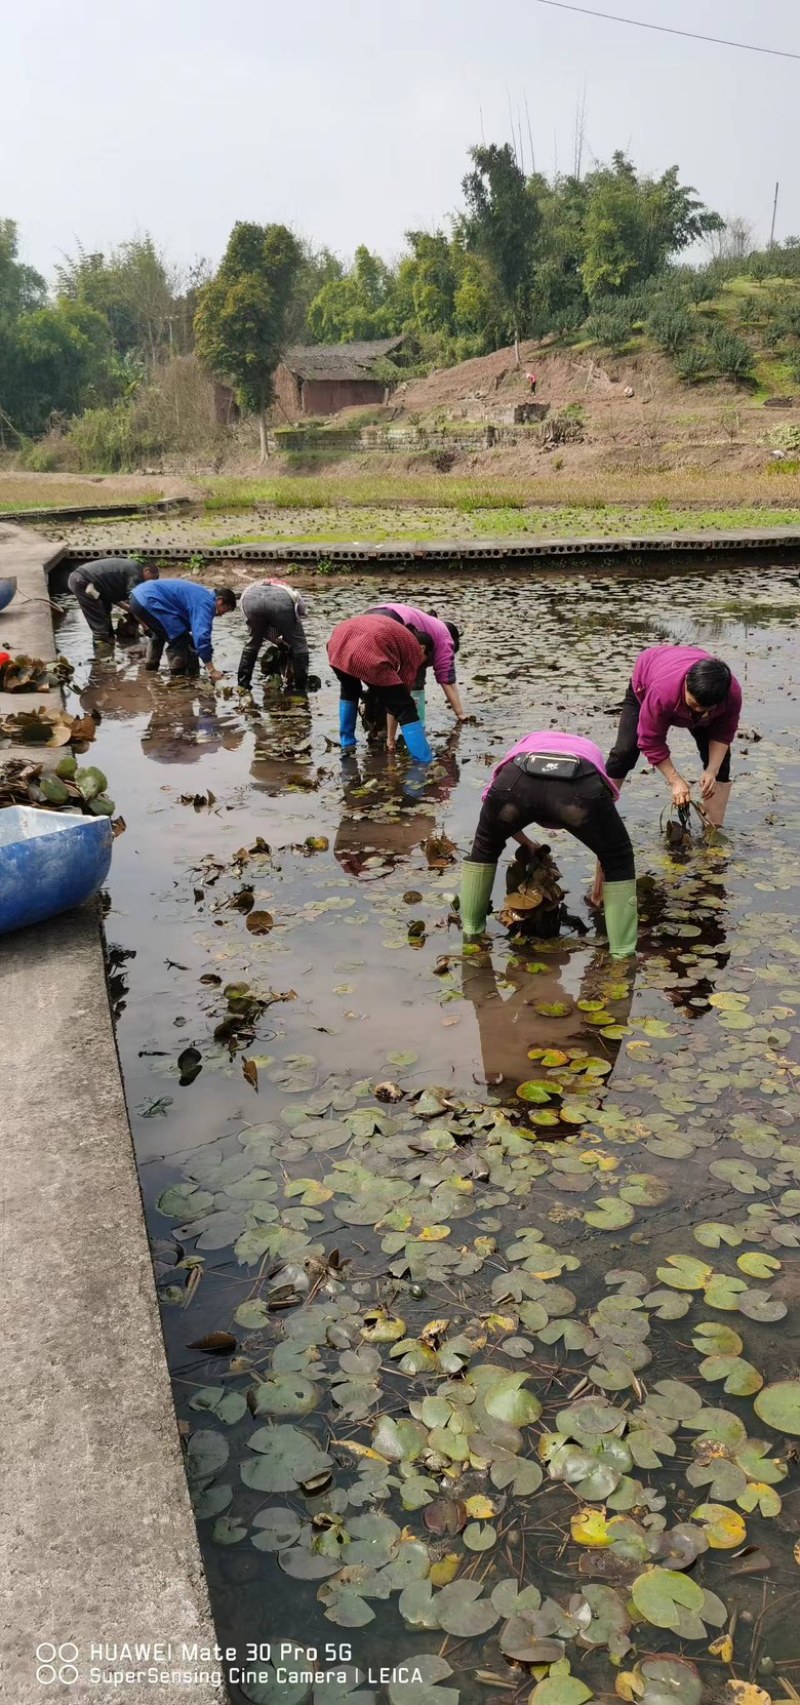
point(8, 587)
point(50, 861)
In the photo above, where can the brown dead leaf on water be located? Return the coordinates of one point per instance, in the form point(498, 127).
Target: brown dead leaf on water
point(388, 1092)
point(260, 923)
point(216, 1343)
point(250, 1071)
point(440, 851)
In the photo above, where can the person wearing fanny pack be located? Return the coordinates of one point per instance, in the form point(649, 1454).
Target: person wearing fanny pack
point(559, 781)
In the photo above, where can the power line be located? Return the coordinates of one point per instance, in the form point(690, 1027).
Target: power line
point(667, 30)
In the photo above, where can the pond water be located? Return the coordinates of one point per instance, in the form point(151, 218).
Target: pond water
point(495, 1389)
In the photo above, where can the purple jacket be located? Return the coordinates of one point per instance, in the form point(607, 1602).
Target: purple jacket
point(658, 682)
point(570, 745)
point(444, 654)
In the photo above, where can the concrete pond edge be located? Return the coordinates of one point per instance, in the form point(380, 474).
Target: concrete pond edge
point(98, 1537)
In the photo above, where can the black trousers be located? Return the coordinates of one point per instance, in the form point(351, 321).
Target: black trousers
point(261, 629)
point(625, 754)
point(397, 701)
point(93, 607)
point(181, 654)
point(583, 806)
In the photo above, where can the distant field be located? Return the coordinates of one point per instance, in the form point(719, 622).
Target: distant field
point(60, 491)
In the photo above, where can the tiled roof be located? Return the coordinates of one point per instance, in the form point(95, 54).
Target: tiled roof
point(338, 360)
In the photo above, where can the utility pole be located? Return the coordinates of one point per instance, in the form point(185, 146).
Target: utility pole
point(774, 213)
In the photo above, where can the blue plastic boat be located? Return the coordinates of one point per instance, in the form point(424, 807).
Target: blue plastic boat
point(8, 587)
point(50, 861)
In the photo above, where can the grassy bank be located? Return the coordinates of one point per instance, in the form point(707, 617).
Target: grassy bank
point(777, 484)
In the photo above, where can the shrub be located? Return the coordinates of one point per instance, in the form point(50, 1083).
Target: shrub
point(785, 438)
point(672, 330)
point(729, 355)
point(109, 440)
point(611, 327)
point(690, 365)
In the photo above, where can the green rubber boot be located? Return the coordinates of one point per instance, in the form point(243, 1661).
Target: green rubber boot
point(477, 881)
point(622, 917)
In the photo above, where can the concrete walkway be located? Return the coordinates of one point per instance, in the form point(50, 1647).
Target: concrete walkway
point(97, 1539)
point(647, 548)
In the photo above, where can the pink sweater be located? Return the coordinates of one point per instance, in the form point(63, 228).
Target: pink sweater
point(572, 745)
point(444, 656)
point(658, 681)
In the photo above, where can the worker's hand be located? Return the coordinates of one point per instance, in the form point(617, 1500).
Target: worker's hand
point(681, 791)
point(212, 673)
point(391, 745)
point(708, 784)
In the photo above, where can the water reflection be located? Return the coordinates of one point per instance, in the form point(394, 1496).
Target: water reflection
point(380, 825)
point(282, 758)
point(687, 923)
point(508, 1007)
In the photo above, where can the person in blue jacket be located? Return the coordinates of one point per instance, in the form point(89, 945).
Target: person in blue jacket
point(180, 615)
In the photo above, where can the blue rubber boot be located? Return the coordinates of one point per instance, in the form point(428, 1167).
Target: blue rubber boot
point(416, 740)
point(348, 712)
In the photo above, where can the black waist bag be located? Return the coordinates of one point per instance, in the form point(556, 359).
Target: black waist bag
point(549, 766)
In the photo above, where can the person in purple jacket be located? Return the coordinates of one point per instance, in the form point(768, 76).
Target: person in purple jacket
point(680, 686)
point(445, 639)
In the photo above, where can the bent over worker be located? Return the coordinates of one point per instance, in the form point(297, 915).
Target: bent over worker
point(273, 612)
point(180, 615)
point(560, 781)
point(680, 686)
point(99, 585)
point(445, 639)
point(387, 656)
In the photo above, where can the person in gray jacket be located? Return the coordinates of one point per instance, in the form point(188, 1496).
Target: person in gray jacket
point(99, 585)
point(273, 612)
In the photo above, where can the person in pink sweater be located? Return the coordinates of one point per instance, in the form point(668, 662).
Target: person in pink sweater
point(560, 781)
point(680, 686)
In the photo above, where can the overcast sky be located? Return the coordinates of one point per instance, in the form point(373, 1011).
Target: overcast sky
point(351, 119)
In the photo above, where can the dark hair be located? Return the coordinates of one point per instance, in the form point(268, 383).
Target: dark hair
point(226, 597)
point(423, 639)
point(454, 634)
point(152, 570)
point(709, 681)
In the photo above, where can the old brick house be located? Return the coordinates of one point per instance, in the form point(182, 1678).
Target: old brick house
point(321, 378)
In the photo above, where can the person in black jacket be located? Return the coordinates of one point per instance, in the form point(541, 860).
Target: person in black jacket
point(99, 585)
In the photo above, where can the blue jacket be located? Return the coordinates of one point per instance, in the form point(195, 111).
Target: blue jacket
point(180, 605)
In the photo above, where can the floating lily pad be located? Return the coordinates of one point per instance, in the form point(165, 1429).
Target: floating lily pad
point(779, 1406)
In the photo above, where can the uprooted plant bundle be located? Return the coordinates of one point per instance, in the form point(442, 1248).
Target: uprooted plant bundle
point(42, 727)
point(24, 674)
point(66, 788)
point(534, 903)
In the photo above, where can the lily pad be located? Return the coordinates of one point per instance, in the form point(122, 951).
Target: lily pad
point(779, 1406)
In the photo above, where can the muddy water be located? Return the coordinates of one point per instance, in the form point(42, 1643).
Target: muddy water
point(360, 965)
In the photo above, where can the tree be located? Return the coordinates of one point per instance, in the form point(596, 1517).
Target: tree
point(634, 224)
point(63, 355)
point(731, 239)
point(502, 222)
point(317, 268)
point(135, 288)
point(356, 306)
point(240, 325)
point(21, 288)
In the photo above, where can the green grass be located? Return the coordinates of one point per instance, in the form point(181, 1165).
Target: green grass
point(556, 522)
